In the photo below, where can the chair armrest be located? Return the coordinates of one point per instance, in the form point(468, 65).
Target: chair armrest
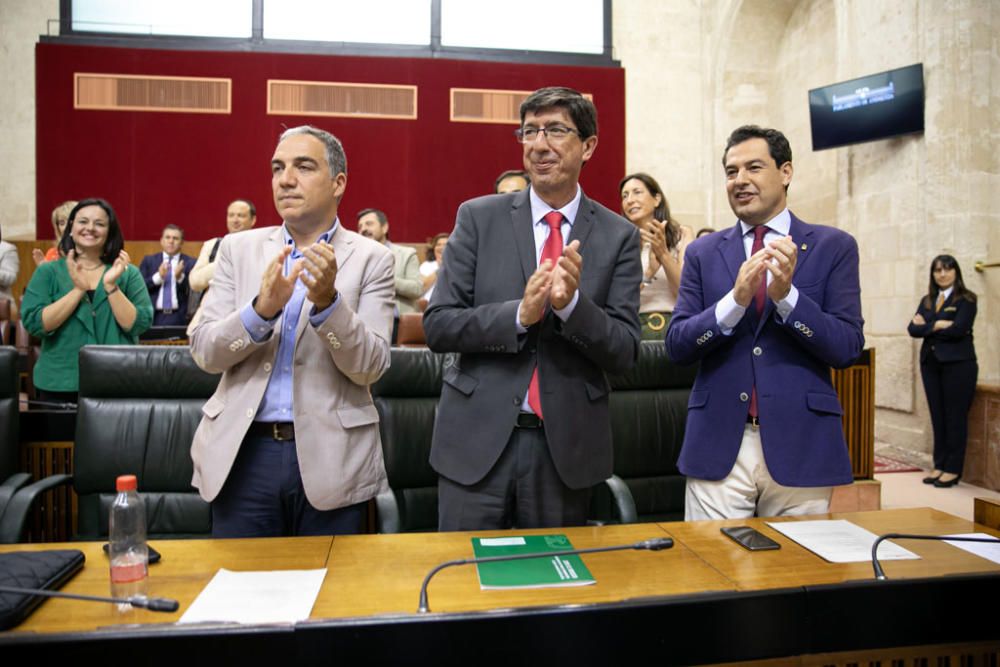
point(622, 498)
point(388, 512)
point(11, 485)
point(16, 513)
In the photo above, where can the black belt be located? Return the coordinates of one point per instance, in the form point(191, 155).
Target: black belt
point(528, 420)
point(168, 311)
point(280, 431)
point(753, 421)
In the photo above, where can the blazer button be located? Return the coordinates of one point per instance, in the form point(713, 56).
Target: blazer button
point(757, 351)
point(267, 368)
point(249, 414)
point(744, 396)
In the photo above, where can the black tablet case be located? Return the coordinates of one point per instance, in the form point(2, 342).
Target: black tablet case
point(33, 569)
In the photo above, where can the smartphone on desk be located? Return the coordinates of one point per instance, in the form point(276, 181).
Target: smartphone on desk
point(749, 538)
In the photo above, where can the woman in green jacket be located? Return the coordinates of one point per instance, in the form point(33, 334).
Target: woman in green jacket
point(91, 295)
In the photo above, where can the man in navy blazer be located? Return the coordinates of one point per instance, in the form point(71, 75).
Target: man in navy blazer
point(542, 280)
point(764, 434)
point(166, 274)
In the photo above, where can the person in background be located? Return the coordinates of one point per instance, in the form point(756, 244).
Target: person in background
point(10, 265)
point(429, 269)
point(373, 224)
point(512, 180)
point(92, 295)
point(663, 243)
point(948, 365)
point(240, 214)
point(165, 274)
point(60, 214)
point(704, 231)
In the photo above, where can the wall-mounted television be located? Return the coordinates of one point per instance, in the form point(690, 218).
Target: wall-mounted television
point(868, 108)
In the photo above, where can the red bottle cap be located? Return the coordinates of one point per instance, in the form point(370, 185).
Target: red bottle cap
point(126, 483)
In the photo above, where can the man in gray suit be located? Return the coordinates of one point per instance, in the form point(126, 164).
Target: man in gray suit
point(297, 321)
point(539, 293)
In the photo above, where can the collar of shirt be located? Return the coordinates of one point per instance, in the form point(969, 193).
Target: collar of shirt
point(540, 228)
point(946, 293)
point(170, 258)
point(296, 253)
point(779, 224)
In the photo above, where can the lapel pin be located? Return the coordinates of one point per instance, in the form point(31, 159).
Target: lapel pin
point(804, 247)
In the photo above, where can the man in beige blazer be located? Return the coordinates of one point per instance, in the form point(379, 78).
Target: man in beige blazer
point(297, 321)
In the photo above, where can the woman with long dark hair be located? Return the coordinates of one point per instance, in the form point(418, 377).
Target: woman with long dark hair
point(948, 365)
point(90, 295)
point(663, 244)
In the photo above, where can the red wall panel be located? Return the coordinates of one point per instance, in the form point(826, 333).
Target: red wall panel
point(159, 168)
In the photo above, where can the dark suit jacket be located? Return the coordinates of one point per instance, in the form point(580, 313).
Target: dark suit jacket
point(800, 415)
point(489, 258)
point(953, 343)
point(151, 264)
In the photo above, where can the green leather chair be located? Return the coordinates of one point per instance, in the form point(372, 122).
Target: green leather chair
point(138, 410)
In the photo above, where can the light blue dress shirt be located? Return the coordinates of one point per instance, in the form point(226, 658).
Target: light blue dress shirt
point(276, 406)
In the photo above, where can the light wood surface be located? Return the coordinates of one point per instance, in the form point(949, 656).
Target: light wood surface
point(381, 574)
point(372, 575)
point(793, 565)
point(187, 566)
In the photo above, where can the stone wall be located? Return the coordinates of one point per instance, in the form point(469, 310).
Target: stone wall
point(20, 25)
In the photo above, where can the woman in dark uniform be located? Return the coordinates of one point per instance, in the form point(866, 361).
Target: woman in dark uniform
point(947, 365)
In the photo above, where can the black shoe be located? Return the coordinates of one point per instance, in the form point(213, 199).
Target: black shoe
point(931, 480)
point(944, 485)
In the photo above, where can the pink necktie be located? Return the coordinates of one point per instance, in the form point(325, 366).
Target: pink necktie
point(551, 250)
point(758, 299)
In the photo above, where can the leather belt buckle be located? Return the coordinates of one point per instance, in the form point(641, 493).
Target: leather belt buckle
point(168, 311)
point(528, 420)
point(754, 422)
point(656, 321)
point(283, 431)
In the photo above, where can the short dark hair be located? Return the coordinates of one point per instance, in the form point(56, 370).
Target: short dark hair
point(511, 173)
point(383, 220)
point(777, 144)
point(581, 110)
point(253, 209)
point(115, 242)
point(175, 228)
point(336, 159)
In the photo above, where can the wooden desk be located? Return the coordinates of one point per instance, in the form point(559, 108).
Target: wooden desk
point(381, 574)
point(705, 600)
point(793, 565)
point(186, 567)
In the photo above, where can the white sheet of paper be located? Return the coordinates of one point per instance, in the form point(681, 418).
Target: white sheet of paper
point(839, 541)
point(987, 550)
point(280, 596)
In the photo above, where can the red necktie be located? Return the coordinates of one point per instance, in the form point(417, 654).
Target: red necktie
point(758, 299)
point(551, 250)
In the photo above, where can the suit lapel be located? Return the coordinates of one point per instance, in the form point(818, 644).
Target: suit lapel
point(524, 235)
point(802, 238)
point(732, 250)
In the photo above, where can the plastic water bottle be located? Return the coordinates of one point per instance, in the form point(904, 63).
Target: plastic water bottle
point(127, 542)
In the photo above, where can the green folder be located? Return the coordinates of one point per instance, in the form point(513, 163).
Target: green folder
point(550, 569)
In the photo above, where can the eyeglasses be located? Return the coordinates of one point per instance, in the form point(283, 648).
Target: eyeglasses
point(553, 133)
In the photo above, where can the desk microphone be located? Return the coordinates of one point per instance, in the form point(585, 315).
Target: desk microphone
point(654, 544)
point(880, 575)
point(152, 604)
